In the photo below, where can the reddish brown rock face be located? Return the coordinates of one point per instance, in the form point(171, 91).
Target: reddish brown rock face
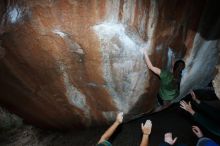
point(69, 63)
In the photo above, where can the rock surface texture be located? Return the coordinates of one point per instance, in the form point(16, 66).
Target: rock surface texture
point(74, 63)
point(216, 83)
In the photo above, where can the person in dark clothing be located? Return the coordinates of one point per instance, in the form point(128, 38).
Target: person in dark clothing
point(169, 81)
point(202, 141)
point(207, 116)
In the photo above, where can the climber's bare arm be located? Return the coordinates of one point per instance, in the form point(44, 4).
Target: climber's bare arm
point(150, 66)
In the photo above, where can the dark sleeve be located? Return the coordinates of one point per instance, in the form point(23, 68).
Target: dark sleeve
point(210, 142)
point(207, 123)
point(208, 110)
point(164, 144)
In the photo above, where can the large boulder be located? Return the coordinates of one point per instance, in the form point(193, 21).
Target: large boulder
point(74, 63)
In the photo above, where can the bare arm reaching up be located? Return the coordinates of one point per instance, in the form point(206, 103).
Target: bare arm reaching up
point(149, 64)
point(108, 133)
point(146, 130)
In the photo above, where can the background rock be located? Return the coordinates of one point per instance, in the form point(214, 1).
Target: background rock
point(216, 83)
